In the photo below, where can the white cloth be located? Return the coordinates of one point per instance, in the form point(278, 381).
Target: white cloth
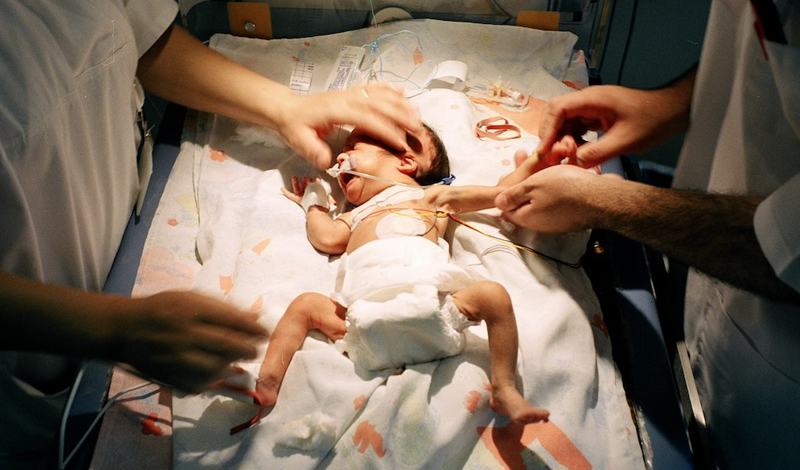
point(68, 172)
point(745, 139)
point(397, 291)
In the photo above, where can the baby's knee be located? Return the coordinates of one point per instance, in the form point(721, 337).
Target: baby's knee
point(304, 304)
point(307, 300)
point(483, 300)
point(494, 292)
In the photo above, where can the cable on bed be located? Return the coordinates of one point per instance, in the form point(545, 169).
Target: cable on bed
point(62, 461)
point(374, 56)
point(374, 50)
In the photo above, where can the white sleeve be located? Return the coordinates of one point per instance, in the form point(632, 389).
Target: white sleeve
point(777, 226)
point(149, 19)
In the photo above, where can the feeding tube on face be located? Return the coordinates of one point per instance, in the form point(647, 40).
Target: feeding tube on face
point(347, 165)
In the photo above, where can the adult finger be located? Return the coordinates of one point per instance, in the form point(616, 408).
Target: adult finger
point(600, 151)
point(307, 142)
point(556, 119)
point(382, 112)
point(390, 101)
point(520, 156)
point(224, 315)
point(513, 197)
point(224, 343)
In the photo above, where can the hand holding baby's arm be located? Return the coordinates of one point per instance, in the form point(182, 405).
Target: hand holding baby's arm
point(526, 166)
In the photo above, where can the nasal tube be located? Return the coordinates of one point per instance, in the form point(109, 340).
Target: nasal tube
point(347, 165)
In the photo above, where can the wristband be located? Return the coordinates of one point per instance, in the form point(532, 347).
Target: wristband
point(315, 195)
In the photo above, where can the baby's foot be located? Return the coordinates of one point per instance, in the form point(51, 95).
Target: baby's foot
point(507, 401)
point(267, 388)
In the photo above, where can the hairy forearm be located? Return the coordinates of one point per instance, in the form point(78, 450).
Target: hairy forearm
point(182, 70)
point(711, 232)
point(53, 319)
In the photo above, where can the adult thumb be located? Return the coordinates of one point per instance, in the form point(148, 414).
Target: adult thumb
point(313, 149)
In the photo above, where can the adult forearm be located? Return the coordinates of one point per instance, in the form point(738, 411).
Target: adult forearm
point(53, 319)
point(677, 100)
point(180, 338)
point(181, 69)
point(711, 232)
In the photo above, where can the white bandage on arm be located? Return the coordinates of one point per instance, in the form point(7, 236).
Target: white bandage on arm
point(315, 195)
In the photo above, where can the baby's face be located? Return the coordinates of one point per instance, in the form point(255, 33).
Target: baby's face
point(374, 158)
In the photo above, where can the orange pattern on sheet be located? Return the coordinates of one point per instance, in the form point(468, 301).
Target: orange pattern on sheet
point(225, 284)
point(366, 436)
point(218, 155)
point(508, 443)
point(473, 400)
point(359, 402)
point(261, 246)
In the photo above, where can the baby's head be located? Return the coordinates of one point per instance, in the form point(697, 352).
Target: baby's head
point(438, 163)
point(366, 165)
point(430, 161)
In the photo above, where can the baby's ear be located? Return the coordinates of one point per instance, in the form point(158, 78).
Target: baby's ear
point(408, 164)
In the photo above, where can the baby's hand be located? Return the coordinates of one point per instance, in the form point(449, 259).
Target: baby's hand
point(298, 189)
point(309, 192)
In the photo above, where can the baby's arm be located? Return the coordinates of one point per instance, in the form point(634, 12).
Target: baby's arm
point(458, 199)
point(474, 198)
point(325, 234)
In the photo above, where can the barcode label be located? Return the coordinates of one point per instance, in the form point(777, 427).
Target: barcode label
point(300, 81)
point(348, 61)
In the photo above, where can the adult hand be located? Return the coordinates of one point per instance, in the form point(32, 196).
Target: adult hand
point(632, 121)
point(181, 69)
point(525, 166)
point(379, 110)
point(554, 200)
point(183, 339)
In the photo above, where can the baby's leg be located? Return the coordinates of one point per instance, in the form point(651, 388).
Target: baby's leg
point(309, 311)
point(489, 301)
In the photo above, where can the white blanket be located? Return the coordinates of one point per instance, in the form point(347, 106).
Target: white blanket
point(251, 249)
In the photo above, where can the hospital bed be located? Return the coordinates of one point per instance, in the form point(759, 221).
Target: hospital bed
point(620, 413)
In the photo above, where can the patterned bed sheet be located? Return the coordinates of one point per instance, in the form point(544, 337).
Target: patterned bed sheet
point(224, 229)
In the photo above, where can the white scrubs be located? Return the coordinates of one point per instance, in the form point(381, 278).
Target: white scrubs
point(744, 138)
point(68, 170)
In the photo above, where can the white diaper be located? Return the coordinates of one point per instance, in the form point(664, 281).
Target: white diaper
point(400, 311)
